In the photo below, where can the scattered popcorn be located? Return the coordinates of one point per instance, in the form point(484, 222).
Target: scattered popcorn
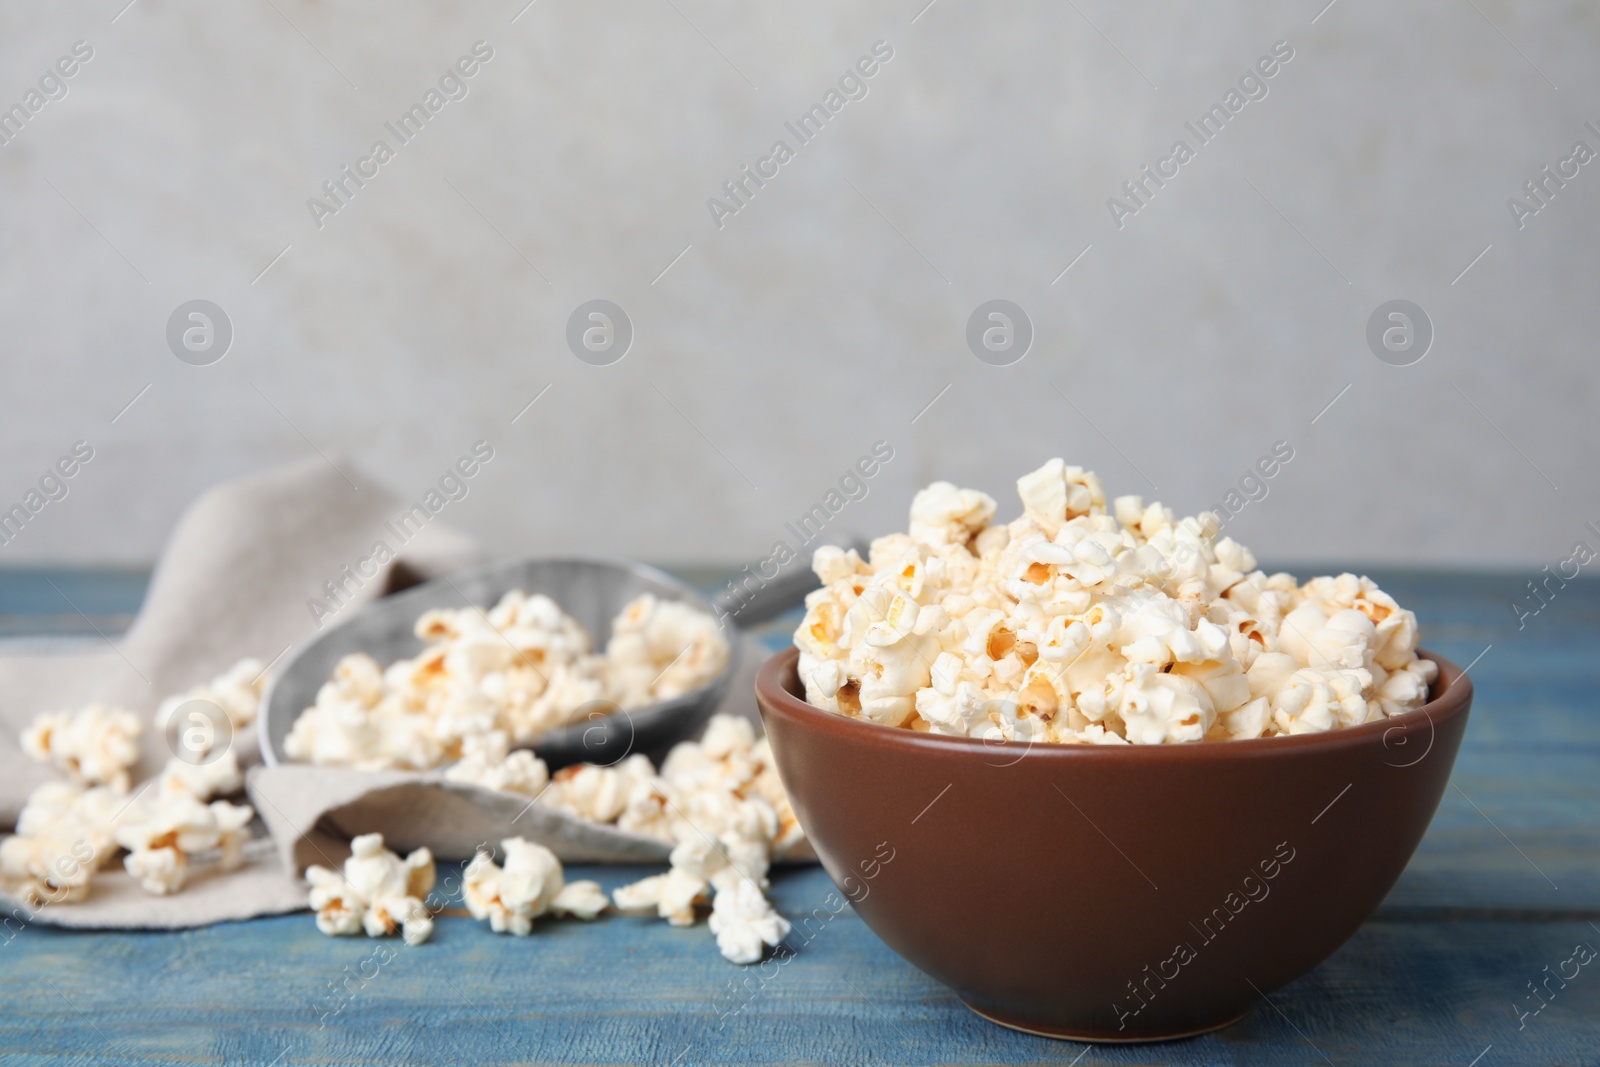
point(378, 892)
point(1073, 625)
point(729, 873)
point(488, 681)
point(162, 831)
point(202, 781)
point(520, 669)
point(581, 900)
point(68, 810)
point(744, 923)
point(530, 884)
point(69, 830)
point(46, 869)
point(64, 835)
point(720, 802)
point(596, 793)
point(673, 895)
point(237, 691)
point(96, 745)
point(466, 698)
point(725, 783)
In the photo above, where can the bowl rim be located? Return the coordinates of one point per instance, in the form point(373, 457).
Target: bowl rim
point(1450, 695)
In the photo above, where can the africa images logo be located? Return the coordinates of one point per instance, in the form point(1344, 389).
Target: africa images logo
point(453, 85)
point(1252, 86)
point(852, 85)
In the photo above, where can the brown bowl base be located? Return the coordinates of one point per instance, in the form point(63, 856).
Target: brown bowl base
point(1349, 808)
point(1064, 1034)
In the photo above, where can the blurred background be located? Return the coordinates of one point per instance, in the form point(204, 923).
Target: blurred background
point(937, 156)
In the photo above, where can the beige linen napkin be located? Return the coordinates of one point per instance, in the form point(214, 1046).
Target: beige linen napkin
point(234, 581)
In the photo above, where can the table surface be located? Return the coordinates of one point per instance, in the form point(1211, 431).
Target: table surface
point(1505, 884)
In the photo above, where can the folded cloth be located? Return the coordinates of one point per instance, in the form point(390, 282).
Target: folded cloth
point(234, 581)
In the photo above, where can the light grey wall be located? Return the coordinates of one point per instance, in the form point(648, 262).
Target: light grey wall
point(826, 314)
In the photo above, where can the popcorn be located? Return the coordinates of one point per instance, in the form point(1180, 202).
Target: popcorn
point(1156, 708)
point(581, 900)
point(378, 892)
point(166, 829)
point(1406, 688)
point(486, 761)
point(597, 793)
point(742, 919)
point(661, 649)
point(69, 830)
point(520, 670)
point(220, 777)
point(339, 910)
point(724, 784)
point(744, 923)
point(236, 695)
point(1314, 700)
point(1248, 720)
point(237, 691)
point(942, 514)
point(46, 869)
point(673, 895)
point(1074, 625)
point(735, 870)
point(530, 884)
point(720, 802)
point(1056, 493)
point(66, 811)
point(96, 745)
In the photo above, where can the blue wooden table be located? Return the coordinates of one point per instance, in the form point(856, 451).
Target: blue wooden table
point(1506, 883)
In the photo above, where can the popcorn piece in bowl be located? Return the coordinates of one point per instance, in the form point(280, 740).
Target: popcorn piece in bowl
point(1075, 624)
point(377, 892)
point(96, 745)
point(661, 649)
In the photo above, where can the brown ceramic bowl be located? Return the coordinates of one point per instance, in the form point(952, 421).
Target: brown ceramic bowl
point(1113, 894)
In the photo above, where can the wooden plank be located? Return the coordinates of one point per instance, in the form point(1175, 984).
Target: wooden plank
point(635, 990)
point(48, 600)
point(1517, 830)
